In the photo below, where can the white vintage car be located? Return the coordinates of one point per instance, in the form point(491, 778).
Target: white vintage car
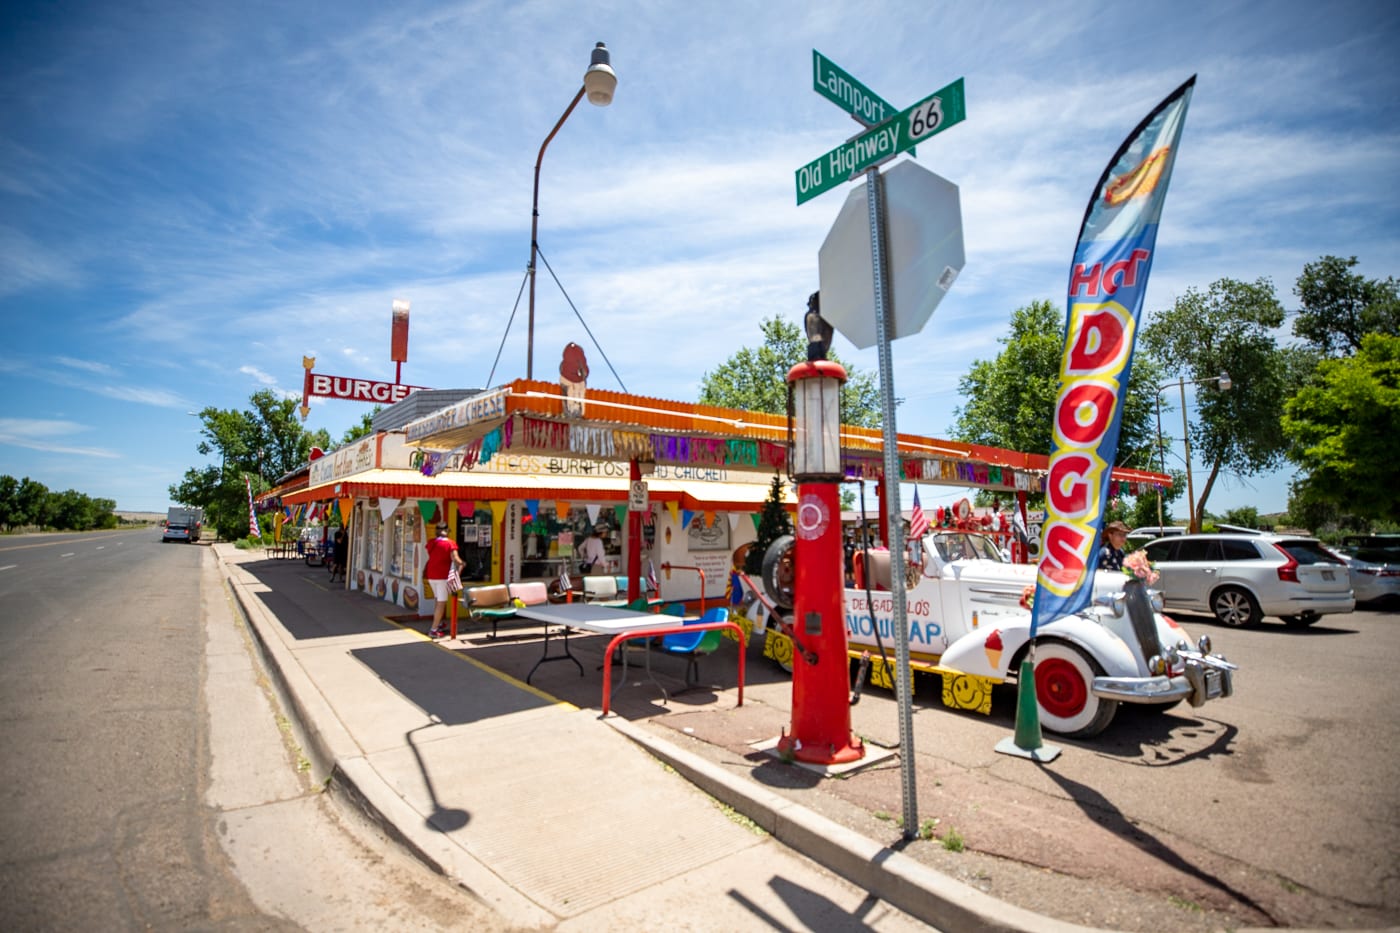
point(968, 624)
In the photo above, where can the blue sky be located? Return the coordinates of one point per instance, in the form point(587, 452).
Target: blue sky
point(193, 195)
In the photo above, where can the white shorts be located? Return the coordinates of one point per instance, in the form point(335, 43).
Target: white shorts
point(440, 591)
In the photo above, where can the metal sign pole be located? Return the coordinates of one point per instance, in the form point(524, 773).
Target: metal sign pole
point(904, 694)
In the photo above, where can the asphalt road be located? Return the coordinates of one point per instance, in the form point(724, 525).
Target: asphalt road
point(144, 780)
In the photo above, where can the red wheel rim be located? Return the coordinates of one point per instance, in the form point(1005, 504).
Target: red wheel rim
point(1059, 688)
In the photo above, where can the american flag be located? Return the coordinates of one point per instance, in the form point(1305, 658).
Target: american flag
point(918, 521)
point(651, 577)
point(253, 531)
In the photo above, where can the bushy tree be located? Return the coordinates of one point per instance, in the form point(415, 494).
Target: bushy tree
point(1341, 307)
point(1229, 328)
point(1342, 429)
point(755, 378)
point(29, 503)
point(261, 443)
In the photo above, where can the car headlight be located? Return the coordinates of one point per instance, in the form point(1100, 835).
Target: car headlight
point(1158, 603)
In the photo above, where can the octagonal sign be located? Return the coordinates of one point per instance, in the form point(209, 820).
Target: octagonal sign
point(923, 233)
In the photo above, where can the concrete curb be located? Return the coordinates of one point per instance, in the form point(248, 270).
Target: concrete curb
point(895, 878)
point(338, 761)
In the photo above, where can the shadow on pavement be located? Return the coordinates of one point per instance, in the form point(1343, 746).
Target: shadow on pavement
point(443, 686)
point(1103, 812)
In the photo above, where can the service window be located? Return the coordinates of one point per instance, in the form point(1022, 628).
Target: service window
point(373, 540)
point(408, 547)
point(395, 544)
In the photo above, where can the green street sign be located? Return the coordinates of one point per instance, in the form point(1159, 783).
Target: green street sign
point(930, 116)
point(846, 92)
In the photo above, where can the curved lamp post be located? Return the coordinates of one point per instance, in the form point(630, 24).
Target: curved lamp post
point(1224, 381)
point(599, 81)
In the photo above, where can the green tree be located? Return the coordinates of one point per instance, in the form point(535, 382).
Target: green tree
point(1011, 398)
point(1230, 328)
point(1341, 307)
point(262, 443)
point(773, 523)
point(1246, 516)
point(1342, 429)
point(755, 378)
point(364, 429)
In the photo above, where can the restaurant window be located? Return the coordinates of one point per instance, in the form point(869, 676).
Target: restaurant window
point(395, 544)
point(549, 541)
point(474, 543)
point(408, 548)
point(374, 530)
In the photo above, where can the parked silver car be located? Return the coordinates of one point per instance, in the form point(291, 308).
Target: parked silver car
point(1241, 577)
point(1374, 561)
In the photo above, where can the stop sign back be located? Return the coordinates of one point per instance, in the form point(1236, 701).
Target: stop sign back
point(923, 233)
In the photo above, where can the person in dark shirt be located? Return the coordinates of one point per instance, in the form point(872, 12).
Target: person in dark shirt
point(1115, 535)
point(340, 552)
point(850, 550)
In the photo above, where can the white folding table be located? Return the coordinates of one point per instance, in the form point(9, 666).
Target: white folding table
point(589, 617)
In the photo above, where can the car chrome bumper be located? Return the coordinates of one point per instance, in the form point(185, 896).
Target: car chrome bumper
point(1205, 677)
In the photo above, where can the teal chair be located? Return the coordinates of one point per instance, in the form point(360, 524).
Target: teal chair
point(694, 645)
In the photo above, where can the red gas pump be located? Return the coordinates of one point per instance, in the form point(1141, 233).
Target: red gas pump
point(821, 712)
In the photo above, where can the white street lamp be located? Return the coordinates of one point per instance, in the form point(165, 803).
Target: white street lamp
point(599, 82)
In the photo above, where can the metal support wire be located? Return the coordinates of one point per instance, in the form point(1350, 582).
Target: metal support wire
point(580, 318)
point(497, 360)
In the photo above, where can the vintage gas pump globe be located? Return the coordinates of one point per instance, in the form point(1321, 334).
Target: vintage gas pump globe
point(821, 714)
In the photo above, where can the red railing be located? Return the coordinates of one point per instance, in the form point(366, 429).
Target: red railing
point(670, 566)
point(668, 630)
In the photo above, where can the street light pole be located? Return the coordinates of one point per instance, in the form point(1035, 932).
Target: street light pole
point(599, 81)
point(1161, 460)
point(1224, 382)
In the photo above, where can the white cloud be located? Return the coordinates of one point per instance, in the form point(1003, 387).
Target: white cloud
point(258, 375)
point(86, 365)
point(49, 436)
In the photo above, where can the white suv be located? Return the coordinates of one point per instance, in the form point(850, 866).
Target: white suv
point(1242, 577)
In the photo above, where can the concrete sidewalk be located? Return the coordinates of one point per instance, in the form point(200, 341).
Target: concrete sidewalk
point(558, 818)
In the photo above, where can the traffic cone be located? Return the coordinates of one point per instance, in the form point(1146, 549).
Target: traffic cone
point(1026, 742)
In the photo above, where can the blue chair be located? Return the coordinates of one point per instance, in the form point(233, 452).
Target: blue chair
point(694, 645)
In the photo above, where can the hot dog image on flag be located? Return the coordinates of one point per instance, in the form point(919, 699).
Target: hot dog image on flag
point(1107, 281)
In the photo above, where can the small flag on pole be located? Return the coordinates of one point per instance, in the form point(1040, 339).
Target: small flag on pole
point(918, 521)
point(651, 577)
point(253, 531)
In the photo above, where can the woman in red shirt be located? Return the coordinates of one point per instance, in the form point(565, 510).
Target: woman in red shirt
point(442, 557)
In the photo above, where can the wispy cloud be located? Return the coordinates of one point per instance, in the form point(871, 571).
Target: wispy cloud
point(48, 436)
point(259, 375)
point(87, 365)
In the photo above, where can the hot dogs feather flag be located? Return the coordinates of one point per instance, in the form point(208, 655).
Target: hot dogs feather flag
point(1106, 285)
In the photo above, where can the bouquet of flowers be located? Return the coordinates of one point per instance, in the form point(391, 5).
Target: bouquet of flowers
point(1139, 566)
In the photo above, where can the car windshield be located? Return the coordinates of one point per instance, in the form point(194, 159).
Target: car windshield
point(958, 546)
point(1309, 552)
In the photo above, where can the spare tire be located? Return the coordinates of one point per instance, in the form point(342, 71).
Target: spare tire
point(780, 571)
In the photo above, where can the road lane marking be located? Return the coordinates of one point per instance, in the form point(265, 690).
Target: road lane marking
point(9, 567)
point(25, 547)
point(69, 554)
